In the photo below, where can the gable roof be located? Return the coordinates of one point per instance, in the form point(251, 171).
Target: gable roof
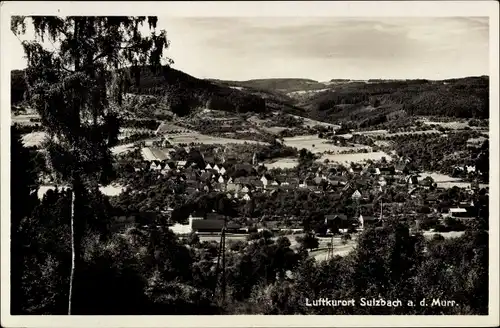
point(207, 224)
point(332, 217)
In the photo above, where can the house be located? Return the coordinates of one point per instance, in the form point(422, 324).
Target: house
point(382, 181)
point(356, 195)
point(432, 199)
point(245, 190)
point(246, 197)
point(412, 179)
point(214, 216)
point(460, 213)
point(388, 170)
point(470, 168)
point(337, 221)
point(207, 226)
point(208, 167)
point(222, 170)
point(232, 187)
point(355, 169)
point(264, 181)
point(216, 168)
point(402, 169)
point(181, 164)
point(366, 221)
point(317, 180)
point(221, 179)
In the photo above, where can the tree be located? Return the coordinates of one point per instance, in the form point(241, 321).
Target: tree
point(75, 89)
point(309, 241)
point(23, 195)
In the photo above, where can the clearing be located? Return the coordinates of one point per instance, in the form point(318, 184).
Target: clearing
point(446, 181)
point(450, 125)
point(123, 148)
point(155, 154)
point(311, 122)
point(25, 119)
point(282, 163)
point(198, 138)
point(318, 145)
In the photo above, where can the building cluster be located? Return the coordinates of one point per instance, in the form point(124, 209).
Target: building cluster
point(242, 181)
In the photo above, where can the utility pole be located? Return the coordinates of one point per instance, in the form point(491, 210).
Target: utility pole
point(221, 261)
point(224, 262)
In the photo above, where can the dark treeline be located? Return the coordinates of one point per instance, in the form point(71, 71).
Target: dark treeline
point(463, 98)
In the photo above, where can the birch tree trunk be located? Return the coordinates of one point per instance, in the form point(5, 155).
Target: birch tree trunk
point(73, 253)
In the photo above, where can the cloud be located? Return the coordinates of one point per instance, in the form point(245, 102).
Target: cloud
point(328, 47)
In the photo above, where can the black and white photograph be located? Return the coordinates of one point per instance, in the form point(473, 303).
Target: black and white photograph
point(242, 164)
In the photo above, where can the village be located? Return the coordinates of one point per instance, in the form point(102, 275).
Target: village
point(371, 193)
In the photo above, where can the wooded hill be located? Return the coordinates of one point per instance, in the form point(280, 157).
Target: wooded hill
point(374, 100)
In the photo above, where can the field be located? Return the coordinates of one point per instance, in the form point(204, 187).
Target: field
point(198, 138)
point(127, 132)
point(318, 145)
point(153, 154)
point(449, 125)
point(445, 181)
point(274, 129)
point(24, 119)
point(356, 158)
point(122, 149)
point(386, 133)
point(282, 163)
point(311, 122)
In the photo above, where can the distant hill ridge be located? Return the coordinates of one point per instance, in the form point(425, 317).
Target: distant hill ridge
point(338, 100)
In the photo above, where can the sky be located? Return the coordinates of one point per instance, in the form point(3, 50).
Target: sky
point(322, 48)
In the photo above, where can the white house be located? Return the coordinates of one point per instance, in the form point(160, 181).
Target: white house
point(382, 182)
point(457, 212)
point(470, 168)
point(153, 166)
point(245, 190)
point(181, 164)
point(366, 220)
point(222, 170)
point(264, 181)
point(184, 229)
point(356, 195)
point(221, 179)
point(246, 197)
point(208, 167)
point(377, 171)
